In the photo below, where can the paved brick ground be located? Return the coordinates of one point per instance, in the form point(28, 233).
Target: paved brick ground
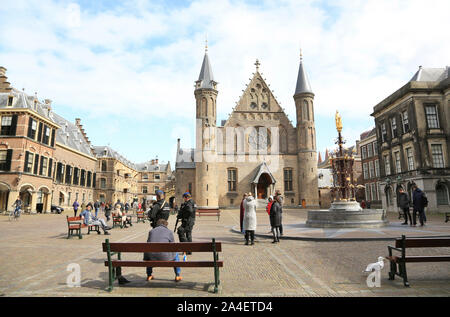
point(35, 254)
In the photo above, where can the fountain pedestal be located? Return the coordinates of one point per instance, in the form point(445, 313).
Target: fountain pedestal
point(346, 214)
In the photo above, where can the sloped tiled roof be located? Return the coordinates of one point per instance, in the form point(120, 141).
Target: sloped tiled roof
point(106, 151)
point(68, 134)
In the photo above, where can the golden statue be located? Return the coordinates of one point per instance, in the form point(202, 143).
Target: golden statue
point(338, 122)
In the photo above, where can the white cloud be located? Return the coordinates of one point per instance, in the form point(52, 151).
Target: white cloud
point(135, 63)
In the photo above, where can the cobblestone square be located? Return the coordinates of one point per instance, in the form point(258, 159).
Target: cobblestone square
point(36, 252)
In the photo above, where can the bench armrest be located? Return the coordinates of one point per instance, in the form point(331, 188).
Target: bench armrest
point(74, 223)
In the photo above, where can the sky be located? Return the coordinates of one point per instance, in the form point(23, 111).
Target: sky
point(127, 68)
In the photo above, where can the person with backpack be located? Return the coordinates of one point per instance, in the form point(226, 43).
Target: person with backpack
point(420, 201)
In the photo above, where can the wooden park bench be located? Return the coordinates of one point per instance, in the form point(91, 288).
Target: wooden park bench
point(115, 266)
point(140, 216)
point(208, 212)
point(75, 224)
point(117, 221)
point(403, 243)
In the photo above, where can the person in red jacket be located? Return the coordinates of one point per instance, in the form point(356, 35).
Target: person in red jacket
point(242, 212)
point(269, 204)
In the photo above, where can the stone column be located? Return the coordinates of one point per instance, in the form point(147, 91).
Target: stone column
point(12, 196)
point(33, 201)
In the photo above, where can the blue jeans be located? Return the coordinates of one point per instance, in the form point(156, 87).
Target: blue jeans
point(96, 212)
point(177, 270)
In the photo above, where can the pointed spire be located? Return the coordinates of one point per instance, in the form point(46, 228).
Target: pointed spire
point(206, 78)
point(320, 158)
point(303, 84)
point(326, 155)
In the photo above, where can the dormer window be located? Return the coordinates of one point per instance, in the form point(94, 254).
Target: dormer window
point(10, 101)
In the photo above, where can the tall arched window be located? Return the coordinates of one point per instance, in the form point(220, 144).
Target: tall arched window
point(442, 194)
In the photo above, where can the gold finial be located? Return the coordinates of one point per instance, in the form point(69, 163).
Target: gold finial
point(301, 55)
point(338, 122)
point(206, 43)
point(257, 64)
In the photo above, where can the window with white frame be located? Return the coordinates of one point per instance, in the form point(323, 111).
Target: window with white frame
point(394, 127)
point(437, 155)
point(375, 148)
point(365, 170)
point(363, 152)
point(369, 150)
point(432, 117)
point(405, 121)
point(377, 168)
point(410, 159)
point(6, 125)
point(371, 170)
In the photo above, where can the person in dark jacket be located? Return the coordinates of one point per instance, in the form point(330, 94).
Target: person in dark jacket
point(275, 218)
point(96, 207)
point(160, 209)
point(187, 216)
point(420, 201)
point(161, 234)
point(280, 201)
point(404, 204)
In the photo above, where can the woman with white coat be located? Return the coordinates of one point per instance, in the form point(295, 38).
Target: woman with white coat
point(250, 219)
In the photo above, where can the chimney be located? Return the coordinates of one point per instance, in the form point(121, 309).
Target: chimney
point(5, 86)
point(153, 162)
point(156, 161)
point(77, 122)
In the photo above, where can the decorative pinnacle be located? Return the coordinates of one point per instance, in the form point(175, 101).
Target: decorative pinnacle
point(206, 43)
point(301, 55)
point(257, 64)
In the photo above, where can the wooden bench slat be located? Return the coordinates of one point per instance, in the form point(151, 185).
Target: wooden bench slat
point(423, 242)
point(118, 263)
point(425, 258)
point(163, 247)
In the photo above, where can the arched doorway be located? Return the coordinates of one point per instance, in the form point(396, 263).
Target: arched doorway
point(42, 200)
point(26, 195)
point(262, 187)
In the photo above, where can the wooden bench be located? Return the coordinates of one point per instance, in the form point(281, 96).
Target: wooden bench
point(75, 224)
point(115, 266)
point(117, 221)
point(403, 243)
point(208, 212)
point(140, 216)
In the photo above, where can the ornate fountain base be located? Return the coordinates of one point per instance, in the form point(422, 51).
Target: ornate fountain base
point(346, 214)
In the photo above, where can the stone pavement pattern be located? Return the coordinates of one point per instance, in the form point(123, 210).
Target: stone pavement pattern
point(35, 254)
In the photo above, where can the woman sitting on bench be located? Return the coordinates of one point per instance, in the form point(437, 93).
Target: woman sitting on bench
point(125, 219)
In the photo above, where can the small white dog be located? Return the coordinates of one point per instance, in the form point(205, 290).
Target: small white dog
point(377, 266)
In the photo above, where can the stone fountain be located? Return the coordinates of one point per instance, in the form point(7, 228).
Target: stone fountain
point(345, 211)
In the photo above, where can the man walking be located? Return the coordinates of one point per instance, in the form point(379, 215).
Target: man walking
point(160, 209)
point(404, 203)
point(96, 207)
point(187, 216)
point(75, 207)
point(419, 202)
